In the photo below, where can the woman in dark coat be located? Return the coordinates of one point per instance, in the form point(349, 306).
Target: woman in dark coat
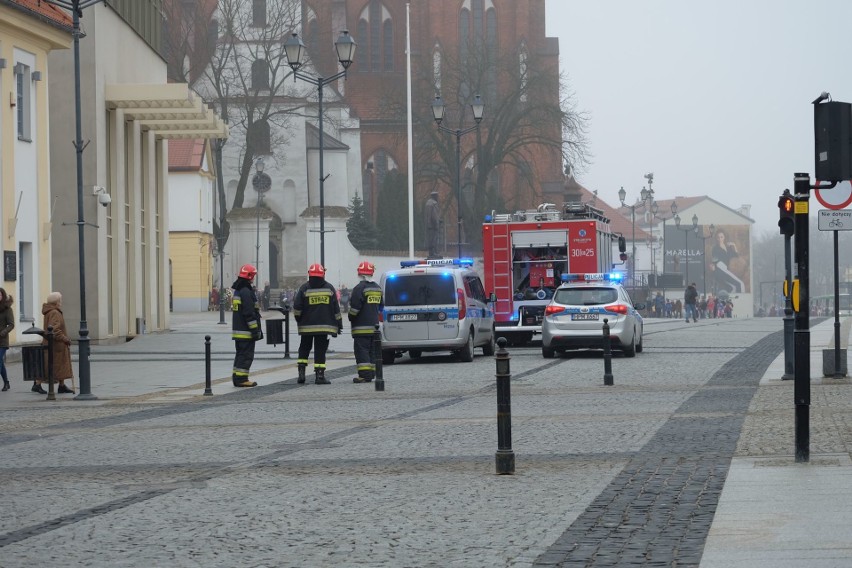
point(7, 324)
point(52, 311)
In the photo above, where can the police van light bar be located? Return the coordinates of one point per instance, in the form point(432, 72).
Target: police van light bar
point(593, 276)
point(456, 262)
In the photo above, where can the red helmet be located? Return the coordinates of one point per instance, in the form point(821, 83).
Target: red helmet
point(316, 269)
point(366, 268)
point(248, 271)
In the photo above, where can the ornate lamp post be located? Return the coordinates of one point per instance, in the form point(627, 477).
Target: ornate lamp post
point(261, 183)
point(686, 231)
point(76, 8)
point(295, 52)
point(700, 235)
point(644, 195)
point(438, 109)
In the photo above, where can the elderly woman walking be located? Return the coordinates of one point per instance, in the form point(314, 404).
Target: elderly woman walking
point(52, 311)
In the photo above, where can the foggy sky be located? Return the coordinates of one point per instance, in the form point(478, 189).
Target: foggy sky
point(713, 97)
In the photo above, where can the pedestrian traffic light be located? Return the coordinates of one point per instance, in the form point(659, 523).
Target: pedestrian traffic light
point(786, 214)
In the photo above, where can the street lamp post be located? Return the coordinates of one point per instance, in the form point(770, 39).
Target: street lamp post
point(295, 52)
point(438, 114)
point(686, 231)
point(76, 8)
point(261, 183)
point(700, 235)
point(644, 195)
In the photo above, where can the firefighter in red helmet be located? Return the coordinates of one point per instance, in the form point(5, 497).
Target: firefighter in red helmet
point(245, 326)
point(317, 314)
point(365, 306)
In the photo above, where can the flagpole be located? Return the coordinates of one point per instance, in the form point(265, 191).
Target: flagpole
point(410, 134)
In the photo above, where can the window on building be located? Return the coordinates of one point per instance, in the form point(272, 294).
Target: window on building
point(22, 101)
point(375, 35)
point(259, 138)
point(260, 75)
point(258, 13)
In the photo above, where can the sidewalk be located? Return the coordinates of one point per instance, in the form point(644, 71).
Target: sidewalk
point(774, 512)
point(168, 367)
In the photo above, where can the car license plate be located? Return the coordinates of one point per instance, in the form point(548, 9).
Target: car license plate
point(586, 317)
point(403, 317)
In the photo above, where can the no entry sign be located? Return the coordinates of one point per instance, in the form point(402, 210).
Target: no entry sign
point(838, 197)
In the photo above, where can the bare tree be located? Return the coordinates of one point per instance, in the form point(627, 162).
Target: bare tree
point(530, 114)
point(234, 58)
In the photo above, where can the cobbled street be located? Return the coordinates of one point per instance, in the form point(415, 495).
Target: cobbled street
point(342, 475)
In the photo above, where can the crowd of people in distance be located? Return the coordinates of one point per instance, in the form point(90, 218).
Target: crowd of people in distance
point(708, 306)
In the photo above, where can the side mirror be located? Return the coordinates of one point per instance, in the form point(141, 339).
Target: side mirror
point(492, 297)
point(622, 247)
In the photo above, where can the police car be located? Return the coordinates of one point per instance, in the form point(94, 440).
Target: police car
point(435, 305)
point(575, 316)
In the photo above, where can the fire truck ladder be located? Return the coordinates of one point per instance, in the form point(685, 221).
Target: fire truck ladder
point(501, 267)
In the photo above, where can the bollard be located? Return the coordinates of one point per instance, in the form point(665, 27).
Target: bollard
point(286, 313)
point(208, 389)
point(377, 359)
point(505, 457)
point(51, 393)
point(607, 356)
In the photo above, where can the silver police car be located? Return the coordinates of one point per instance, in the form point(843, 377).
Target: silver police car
point(575, 316)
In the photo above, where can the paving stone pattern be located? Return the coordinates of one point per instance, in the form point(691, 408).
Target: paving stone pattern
point(340, 475)
point(658, 510)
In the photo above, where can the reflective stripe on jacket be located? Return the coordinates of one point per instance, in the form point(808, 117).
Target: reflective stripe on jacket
point(364, 307)
point(317, 310)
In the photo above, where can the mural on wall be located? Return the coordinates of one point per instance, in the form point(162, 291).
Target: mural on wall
point(717, 262)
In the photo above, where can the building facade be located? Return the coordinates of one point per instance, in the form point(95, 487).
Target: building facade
point(129, 112)
point(29, 32)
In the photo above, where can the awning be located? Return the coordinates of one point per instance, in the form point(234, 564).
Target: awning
point(169, 110)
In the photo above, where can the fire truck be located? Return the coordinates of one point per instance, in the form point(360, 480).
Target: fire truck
point(526, 252)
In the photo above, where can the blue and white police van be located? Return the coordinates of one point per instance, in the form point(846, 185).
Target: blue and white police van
point(436, 305)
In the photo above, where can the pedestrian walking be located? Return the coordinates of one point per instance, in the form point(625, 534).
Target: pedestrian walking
point(245, 325)
point(62, 370)
point(364, 309)
point(317, 314)
point(267, 292)
point(690, 296)
point(7, 324)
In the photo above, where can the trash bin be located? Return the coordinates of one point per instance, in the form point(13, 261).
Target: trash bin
point(32, 360)
point(274, 331)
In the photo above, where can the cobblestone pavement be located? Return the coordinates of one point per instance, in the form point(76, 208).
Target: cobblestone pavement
point(342, 475)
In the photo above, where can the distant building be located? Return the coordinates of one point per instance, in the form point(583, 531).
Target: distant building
point(192, 246)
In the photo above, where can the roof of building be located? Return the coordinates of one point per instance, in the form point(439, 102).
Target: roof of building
point(329, 142)
point(40, 9)
point(186, 154)
point(618, 222)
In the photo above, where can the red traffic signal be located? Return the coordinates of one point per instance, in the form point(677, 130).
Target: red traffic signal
point(786, 214)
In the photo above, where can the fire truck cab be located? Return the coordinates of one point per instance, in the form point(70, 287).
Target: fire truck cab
point(526, 253)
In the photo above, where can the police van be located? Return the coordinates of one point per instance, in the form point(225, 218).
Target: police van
point(435, 305)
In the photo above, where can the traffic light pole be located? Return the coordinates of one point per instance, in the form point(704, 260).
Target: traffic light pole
point(802, 334)
point(789, 344)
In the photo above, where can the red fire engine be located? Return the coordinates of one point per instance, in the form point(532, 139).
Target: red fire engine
point(526, 252)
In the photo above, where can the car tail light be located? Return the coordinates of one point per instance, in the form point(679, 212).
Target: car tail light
point(462, 304)
point(617, 309)
point(550, 310)
point(381, 316)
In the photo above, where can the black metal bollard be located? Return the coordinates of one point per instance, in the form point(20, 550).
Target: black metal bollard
point(286, 313)
point(377, 359)
point(505, 457)
point(208, 388)
point(607, 347)
point(51, 393)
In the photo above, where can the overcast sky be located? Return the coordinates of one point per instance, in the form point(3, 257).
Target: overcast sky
point(713, 97)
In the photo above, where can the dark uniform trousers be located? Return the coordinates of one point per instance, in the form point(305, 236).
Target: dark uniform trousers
point(363, 347)
point(243, 359)
point(320, 346)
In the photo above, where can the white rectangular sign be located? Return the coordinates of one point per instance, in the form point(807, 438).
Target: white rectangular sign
point(835, 219)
